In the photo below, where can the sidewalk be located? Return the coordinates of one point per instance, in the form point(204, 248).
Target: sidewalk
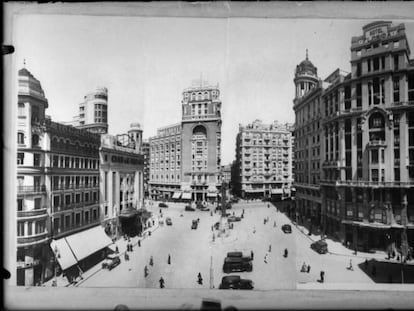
point(355, 286)
point(122, 246)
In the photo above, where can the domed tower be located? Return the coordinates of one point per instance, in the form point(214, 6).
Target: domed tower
point(135, 132)
point(93, 112)
point(306, 77)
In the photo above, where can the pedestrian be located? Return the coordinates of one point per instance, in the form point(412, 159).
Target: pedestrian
point(139, 243)
point(126, 256)
point(350, 265)
point(145, 271)
point(308, 269)
point(169, 259)
point(161, 282)
point(265, 258)
point(211, 228)
point(304, 267)
point(200, 279)
point(251, 255)
point(151, 262)
point(268, 205)
point(366, 263)
point(285, 253)
point(270, 248)
point(153, 222)
point(160, 211)
point(322, 276)
point(116, 250)
point(264, 221)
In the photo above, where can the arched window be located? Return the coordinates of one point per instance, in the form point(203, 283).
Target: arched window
point(20, 138)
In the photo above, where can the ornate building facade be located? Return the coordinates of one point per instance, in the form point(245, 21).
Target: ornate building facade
point(366, 135)
point(263, 161)
point(185, 157)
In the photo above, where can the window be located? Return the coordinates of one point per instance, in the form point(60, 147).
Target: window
point(20, 138)
point(396, 44)
point(395, 62)
point(37, 203)
point(20, 110)
point(19, 204)
point(20, 158)
point(20, 229)
point(36, 159)
point(396, 88)
point(374, 175)
point(35, 140)
point(374, 156)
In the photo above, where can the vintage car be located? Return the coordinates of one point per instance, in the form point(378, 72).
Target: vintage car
point(233, 218)
point(162, 204)
point(194, 224)
point(111, 261)
point(241, 264)
point(238, 254)
point(320, 246)
point(235, 282)
point(189, 208)
point(286, 228)
point(168, 221)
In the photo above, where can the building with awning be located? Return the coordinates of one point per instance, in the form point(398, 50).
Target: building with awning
point(76, 248)
point(177, 195)
point(186, 196)
point(212, 194)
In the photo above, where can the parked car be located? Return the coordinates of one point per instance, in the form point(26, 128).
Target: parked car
point(194, 224)
point(111, 261)
point(287, 228)
point(210, 304)
point(236, 264)
point(189, 208)
point(238, 254)
point(235, 282)
point(320, 246)
point(162, 204)
point(217, 225)
point(168, 221)
point(233, 218)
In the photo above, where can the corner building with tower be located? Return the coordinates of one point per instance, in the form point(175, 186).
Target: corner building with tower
point(362, 125)
point(185, 158)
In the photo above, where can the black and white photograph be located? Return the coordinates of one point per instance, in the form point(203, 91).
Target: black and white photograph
point(208, 155)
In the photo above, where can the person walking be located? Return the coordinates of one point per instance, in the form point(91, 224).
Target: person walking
point(139, 243)
point(169, 259)
point(350, 265)
point(285, 253)
point(251, 255)
point(322, 276)
point(366, 264)
point(270, 248)
point(200, 278)
point(308, 269)
point(145, 271)
point(161, 282)
point(151, 262)
point(265, 258)
point(304, 267)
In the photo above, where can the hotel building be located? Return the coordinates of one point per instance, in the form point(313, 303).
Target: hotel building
point(263, 166)
point(185, 158)
point(366, 144)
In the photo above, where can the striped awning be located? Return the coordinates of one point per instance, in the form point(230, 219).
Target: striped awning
point(186, 196)
point(63, 253)
point(176, 195)
point(212, 194)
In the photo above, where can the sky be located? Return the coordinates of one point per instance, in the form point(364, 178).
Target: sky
point(146, 63)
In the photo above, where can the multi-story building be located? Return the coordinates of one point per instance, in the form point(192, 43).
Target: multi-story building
point(146, 153)
point(93, 112)
point(58, 187)
point(185, 157)
point(122, 191)
point(367, 142)
point(263, 160)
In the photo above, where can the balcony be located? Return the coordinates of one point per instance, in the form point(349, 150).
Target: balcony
point(37, 189)
point(75, 186)
point(374, 184)
point(37, 213)
point(33, 239)
point(25, 265)
point(377, 143)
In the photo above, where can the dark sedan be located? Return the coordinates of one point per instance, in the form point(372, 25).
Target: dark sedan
point(287, 228)
point(235, 282)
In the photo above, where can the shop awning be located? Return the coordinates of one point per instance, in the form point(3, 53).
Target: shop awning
point(176, 195)
point(186, 196)
point(64, 254)
point(87, 242)
point(277, 191)
point(212, 194)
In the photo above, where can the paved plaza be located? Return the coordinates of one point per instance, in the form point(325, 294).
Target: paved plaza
point(194, 251)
